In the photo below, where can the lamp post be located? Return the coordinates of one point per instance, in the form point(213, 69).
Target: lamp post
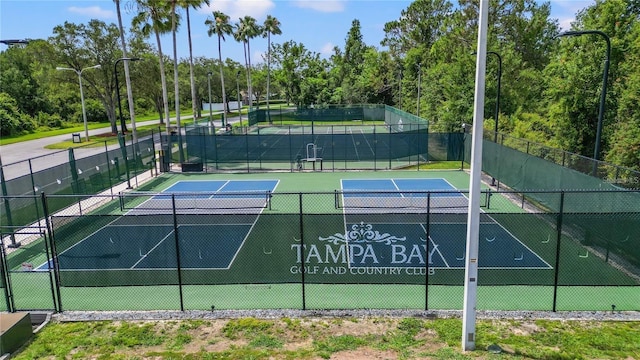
point(123, 126)
point(497, 110)
point(84, 113)
point(210, 107)
point(603, 95)
point(419, 82)
point(400, 90)
point(239, 103)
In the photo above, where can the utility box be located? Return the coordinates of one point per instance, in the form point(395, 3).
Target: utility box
point(15, 331)
point(164, 161)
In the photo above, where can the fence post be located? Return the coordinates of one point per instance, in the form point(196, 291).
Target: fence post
point(246, 141)
point(558, 238)
point(35, 191)
point(375, 150)
point(428, 234)
point(137, 168)
point(54, 256)
point(153, 154)
point(7, 205)
point(389, 142)
point(123, 148)
point(4, 278)
point(203, 152)
point(106, 153)
point(304, 299)
point(177, 240)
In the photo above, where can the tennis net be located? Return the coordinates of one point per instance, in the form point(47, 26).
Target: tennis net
point(403, 201)
point(195, 202)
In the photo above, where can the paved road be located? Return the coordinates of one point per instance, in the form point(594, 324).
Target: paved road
point(35, 150)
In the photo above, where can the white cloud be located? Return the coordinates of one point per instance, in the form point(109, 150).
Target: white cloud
point(565, 23)
point(321, 5)
point(565, 11)
point(327, 49)
point(95, 12)
point(259, 9)
point(258, 57)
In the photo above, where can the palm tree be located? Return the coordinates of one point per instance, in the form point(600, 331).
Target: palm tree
point(153, 17)
point(239, 37)
point(194, 4)
point(271, 26)
point(249, 29)
point(173, 4)
point(219, 25)
point(126, 74)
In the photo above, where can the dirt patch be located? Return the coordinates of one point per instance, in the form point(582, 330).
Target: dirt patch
point(364, 353)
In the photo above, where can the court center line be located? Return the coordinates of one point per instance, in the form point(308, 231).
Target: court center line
point(153, 248)
point(397, 188)
point(435, 247)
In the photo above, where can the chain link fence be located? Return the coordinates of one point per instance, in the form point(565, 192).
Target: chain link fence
point(324, 250)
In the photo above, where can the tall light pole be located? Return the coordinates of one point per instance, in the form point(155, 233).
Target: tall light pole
point(210, 107)
point(603, 95)
point(419, 82)
point(400, 90)
point(239, 103)
point(84, 113)
point(123, 125)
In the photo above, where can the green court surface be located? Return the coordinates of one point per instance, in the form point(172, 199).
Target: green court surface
point(310, 244)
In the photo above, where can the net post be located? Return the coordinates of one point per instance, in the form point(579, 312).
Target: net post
point(269, 195)
point(487, 198)
point(121, 200)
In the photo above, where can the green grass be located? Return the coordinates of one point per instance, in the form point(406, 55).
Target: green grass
point(313, 338)
point(108, 138)
point(79, 128)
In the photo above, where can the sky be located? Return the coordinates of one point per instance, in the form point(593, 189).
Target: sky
point(318, 24)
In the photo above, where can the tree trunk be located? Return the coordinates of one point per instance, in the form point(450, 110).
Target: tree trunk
point(224, 94)
point(126, 74)
point(163, 79)
point(194, 95)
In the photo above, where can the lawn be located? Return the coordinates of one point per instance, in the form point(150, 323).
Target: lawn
point(334, 338)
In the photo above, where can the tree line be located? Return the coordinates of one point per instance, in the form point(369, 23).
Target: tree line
point(550, 86)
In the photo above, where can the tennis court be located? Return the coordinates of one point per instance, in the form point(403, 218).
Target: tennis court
point(123, 244)
point(310, 240)
point(395, 242)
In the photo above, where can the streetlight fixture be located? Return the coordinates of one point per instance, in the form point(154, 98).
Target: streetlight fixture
point(12, 42)
point(603, 95)
point(210, 107)
point(84, 113)
point(123, 126)
point(239, 103)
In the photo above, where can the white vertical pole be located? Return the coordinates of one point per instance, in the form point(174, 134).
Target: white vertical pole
point(84, 112)
point(473, 221)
